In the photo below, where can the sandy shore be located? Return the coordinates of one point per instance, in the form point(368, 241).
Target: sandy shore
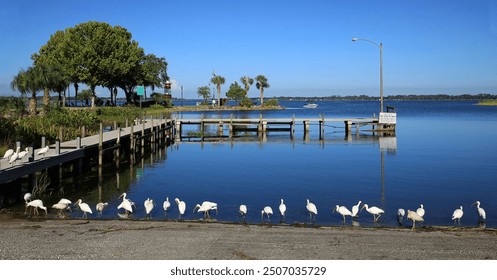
point(24, 239)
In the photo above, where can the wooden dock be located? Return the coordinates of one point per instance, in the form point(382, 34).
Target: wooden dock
point(262, 125)
point(155, 131)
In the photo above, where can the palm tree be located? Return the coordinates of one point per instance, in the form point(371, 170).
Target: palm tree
point(247, 82)
point(51, 78)
point(261, 85)
point(218, 80)
point(27, 81)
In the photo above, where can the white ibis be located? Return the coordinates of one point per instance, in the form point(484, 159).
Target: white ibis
point(481, 211)
point(181, 206)
point(8, 153)
point(342, 210)
point(84, 207)
point(355, 209)
point(23, 154)
point(60, 207)
point(373, 211)
point(14, 156)
point(243, 210)
point(65, 201)
point(166, 205)
point(43, 151)
point(125, 204)
point(37, 203)
point(213, 205)
point(457, 215)
point(268, 211)
point(27, 197)
point(205, 207)
point(149, 206)
point(400, 215)
point(100, 207)
point(415, 217)
point(282, 208)
point(421, 211)
point(313, 210)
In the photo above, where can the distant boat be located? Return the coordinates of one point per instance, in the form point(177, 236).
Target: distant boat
point(311, 105)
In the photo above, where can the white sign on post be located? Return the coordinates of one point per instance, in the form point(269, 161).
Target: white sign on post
point(388, 118)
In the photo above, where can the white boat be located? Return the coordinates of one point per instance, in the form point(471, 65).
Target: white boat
point(311, 105)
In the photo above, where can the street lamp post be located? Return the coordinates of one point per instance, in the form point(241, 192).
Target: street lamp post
point(381, 67)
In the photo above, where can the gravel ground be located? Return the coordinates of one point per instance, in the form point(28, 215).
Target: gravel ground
point(32, 239)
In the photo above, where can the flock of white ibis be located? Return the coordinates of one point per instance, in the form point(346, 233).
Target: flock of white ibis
point(207, 206)
point(13, 157)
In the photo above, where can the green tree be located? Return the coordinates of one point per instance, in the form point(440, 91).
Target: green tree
point(97, 54)
point(247, 82)
point(218, 81)
point(204, 92)
point(261, 85)
point(235, 92)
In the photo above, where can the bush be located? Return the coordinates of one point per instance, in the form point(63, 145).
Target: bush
point(273, 102)
point(246, 102)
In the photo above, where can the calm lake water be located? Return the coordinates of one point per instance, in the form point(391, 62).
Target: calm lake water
point(444, 155)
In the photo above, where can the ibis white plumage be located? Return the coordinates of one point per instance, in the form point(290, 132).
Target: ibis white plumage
point(8, 153)
point(242, 210)
point(22, 154)
point(481, 211)
point(355, 209)
point(43, 151)
point(100, 207)
point(415, 217)
point(268, 211)
point(400, 215)
point(205, 207)
point(166, 204)
point(282, 208)
point(84, 207)
point(313, 210)
point(375, 211)
point(342, 210)
point(181, 207)
point(421, 211)
point(125, 204)
point(27, 197)
point(14, 156)
point(60, 207)
point(457, 215)
point(37, 203)
point(149, 206)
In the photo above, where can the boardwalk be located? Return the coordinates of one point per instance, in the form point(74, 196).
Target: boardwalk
point(75, 149)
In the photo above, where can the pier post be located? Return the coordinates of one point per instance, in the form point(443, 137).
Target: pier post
point(100, 145)
point(31, 152)
point(57, 147)
point(60, 134)
point(118, 148)
point(78, 142)
point(83, 131)
point(43, 142)
point(131, 139)
point(143, 133)
point(220, 129)
point(348, 127)
point(307, 137)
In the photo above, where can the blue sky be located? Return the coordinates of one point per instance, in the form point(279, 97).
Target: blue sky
point(304, 48)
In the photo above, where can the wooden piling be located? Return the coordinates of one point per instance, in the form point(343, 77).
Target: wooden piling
point(100, 145)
